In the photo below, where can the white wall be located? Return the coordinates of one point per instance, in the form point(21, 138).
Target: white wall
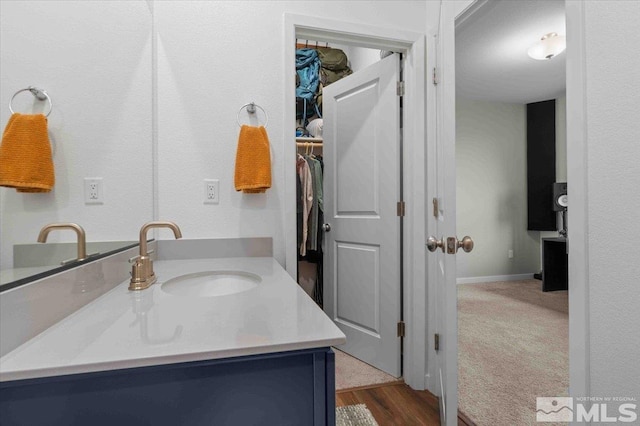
point(94, 60)
point(213, 57)
point(491, 169)
point(613, 203)
point(361, 57)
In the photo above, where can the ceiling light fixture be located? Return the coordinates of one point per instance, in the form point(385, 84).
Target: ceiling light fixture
point(549, 46)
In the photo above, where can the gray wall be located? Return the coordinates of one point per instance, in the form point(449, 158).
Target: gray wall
point(492, 189)
point(492, 183)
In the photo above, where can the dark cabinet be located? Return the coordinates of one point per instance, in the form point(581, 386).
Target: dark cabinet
point(287, 388)
point(555, 264)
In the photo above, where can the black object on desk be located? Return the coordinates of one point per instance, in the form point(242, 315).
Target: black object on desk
point(555, 264)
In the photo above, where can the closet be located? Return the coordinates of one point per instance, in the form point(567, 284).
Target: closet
point(318, 64)
point(310, 216)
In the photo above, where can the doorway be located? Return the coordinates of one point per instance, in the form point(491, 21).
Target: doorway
point(509, 330)
point(412, 45)
point(347, 222)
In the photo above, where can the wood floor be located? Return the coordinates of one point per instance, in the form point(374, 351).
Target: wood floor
point(396, 404)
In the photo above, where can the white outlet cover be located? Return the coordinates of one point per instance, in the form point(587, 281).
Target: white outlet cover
point(93, 191)
point(211, 191)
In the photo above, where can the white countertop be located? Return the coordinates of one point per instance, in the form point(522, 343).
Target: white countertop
point(125, 329)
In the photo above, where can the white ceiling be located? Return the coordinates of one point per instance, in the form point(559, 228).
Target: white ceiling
point(491, 51)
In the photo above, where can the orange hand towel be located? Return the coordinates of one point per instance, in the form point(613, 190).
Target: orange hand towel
point(26, 162)
point(253, 160)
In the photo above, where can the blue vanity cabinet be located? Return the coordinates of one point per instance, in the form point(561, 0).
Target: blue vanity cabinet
point(294, 388)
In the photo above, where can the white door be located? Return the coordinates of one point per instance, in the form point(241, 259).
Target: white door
point(442, 227)
point(362, 186)
point(441, 224)
point(446, 318)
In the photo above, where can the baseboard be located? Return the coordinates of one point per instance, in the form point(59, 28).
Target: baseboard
point(494, 278)
point(464, 420)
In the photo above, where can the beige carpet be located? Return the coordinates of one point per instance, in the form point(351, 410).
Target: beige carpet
point(353, 373)
point(513, 346)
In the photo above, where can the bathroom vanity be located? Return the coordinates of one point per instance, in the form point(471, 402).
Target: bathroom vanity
point(217, 341)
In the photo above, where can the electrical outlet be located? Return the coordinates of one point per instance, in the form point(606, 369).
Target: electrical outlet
point(93, 191)
point(211, 191)
point(510, 254)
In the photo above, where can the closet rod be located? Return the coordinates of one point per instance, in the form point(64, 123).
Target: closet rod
point(307, 139)
point(310, 144)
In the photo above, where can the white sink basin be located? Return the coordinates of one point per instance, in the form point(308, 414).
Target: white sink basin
point(211, 283)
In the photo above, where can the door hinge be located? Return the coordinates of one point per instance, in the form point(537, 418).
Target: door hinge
point(436, 208)
point(401, 208)
point(435, 77)
point(401, 329)
point(400, 88)
point(436, 342)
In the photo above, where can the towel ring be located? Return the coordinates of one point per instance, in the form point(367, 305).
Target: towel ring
point(251, 109)
point(39, 94)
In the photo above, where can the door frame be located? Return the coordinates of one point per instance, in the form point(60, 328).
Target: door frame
point(413, 47)
point(579, 344)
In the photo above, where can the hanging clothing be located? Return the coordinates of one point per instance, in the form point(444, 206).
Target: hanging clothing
point(299, 215)
point(318, 189)
point(318, 295)
point(320, 195)
point(312, 232)
point(310, 216)
point(307, 199)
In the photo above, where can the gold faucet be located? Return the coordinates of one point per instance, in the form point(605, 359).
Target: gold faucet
point(142, 275)
point(82, 237)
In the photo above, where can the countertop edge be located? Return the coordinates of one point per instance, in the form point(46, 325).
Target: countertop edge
point(103, 367)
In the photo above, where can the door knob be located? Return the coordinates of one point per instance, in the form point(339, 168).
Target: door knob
point(433, 244)
point(465, 244)
point(326, 227)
